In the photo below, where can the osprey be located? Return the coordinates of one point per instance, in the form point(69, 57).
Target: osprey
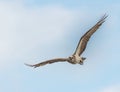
point(76, 57)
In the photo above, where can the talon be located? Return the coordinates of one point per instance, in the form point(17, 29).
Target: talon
point(81, 63)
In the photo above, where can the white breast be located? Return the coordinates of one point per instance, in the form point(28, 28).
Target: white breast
point(78, 59)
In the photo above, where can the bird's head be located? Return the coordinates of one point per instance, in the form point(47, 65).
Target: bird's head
point(72, 58)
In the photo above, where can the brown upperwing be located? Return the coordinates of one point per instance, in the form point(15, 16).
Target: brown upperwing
point(85, 38)
point(49, 62)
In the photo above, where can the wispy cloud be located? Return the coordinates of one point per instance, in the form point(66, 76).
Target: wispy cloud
point(23, 29)
point(114, 88)
point(40, 31)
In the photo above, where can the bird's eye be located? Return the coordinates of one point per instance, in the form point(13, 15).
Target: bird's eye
point(70, 58)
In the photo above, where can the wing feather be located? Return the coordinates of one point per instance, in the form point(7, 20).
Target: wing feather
point(85, 38)
point(49, 62)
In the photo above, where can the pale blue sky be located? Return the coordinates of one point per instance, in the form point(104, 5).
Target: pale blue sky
point(32, 31)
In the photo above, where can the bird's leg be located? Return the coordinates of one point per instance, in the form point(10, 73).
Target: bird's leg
point(81, 61)
point(83, 58)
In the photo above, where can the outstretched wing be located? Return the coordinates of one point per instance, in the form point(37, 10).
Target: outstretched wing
point(85, 38)
point(49, 62)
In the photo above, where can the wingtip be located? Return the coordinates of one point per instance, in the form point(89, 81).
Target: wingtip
point(30, 65)
point(102, 20)
point(104, 16)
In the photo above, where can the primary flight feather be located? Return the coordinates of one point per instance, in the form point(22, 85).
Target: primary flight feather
point(76, 57)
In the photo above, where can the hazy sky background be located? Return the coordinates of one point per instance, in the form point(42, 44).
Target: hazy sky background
point(32, 31)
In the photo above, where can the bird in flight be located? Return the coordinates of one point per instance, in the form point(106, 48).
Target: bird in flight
point(75, 58)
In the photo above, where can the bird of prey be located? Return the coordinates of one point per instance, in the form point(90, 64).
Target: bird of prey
point(75, 58)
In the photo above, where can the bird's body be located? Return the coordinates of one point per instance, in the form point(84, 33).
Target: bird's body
point(76, 57)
